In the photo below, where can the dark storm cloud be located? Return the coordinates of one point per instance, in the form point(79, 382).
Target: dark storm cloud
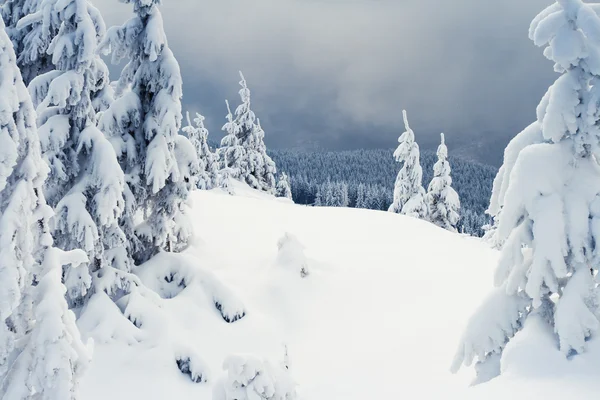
point(337, 73)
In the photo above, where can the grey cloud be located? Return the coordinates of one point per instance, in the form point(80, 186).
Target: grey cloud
point(337, 73)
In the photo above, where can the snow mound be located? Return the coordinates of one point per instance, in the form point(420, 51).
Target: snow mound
point(380, 314)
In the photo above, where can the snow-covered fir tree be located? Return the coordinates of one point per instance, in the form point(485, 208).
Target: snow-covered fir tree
point(243, 150)
point(409, 194)
point(146, 118)
point(550, 218)
point(283, 187)
point(54, 358)
point(442, 199)
point(248, 377)
point(530, 135)
point(31, 34)
point(208, 163)
point(41, 354)
point(86, 183)
point(24, 215)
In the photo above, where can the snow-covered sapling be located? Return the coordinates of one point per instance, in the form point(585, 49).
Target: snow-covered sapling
point(442, 199)
point(291, 254)
point(250, 378)
point(409, 194)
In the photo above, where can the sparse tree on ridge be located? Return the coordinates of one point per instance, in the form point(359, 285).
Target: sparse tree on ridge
point(243, 150)
point(208, 176)
point(550, 218)
point(442, 199)
point(409, 194)
point(146, 118)
point(283, 187)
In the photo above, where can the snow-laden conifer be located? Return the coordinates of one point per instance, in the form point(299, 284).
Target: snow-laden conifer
point(248, 378)
point(550, 218)
point(243, 150)
point(31, 35)
point(54, 358)
point(208, 164)
point(145, 119)
point(283, 187)
point(442, 199)
point(409, 194)
point(86, 183)
point(24, 215)
point(41, 354)
point(530, 135)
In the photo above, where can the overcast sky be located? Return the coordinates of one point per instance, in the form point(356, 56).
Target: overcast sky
point(337, 73)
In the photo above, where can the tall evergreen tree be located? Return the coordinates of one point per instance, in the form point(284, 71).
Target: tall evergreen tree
point(550, 219)
point(208, 175)
point(40, 350)
point(442, 199)
point(147, 117)
point(409, 195)
point(30, 35)
point(86, 183)
point(243, 149)
point(283, 187)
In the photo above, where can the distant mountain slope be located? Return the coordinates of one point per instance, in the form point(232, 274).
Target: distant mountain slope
point(377, 168)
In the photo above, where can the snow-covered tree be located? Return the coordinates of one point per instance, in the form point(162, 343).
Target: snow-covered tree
point(250, 378)
point(54, 359)
point(283, 187)
point(86, 183)
point(24, 215)
point(530, 135)
point(31, 35)
point(41, 354)
point(361, 196)
point(208, 163)
point(145, 119)
point(550, 218)
point(409, 194)
point(291, 255)
point(442, 199)
point(243, 149)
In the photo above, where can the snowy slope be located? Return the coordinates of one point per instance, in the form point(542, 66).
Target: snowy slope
point(379, 316)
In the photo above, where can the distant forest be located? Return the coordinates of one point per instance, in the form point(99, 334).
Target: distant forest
point(343, 178)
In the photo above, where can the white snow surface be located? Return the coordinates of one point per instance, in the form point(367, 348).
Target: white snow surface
point(379, 317)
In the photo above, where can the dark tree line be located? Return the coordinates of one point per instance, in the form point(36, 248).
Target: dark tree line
point(368, 177)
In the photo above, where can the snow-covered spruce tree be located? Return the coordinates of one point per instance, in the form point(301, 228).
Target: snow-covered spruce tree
point(30, 34)
point(442, 199)
point(530, 135)
point(24, 215)
point(243, 149)
point(86, 183)
point(409, 194)
point(361, 196)
point(208, 164)
point(54, 358)
point(146, 117)
point(41, 355)
point(550, 219)
point(283, 187)
point(250, 378)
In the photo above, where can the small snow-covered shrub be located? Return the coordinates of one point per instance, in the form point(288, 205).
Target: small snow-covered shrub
point(170, 274)
point(291, 254)
point(190, 363)
point(249, 378)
